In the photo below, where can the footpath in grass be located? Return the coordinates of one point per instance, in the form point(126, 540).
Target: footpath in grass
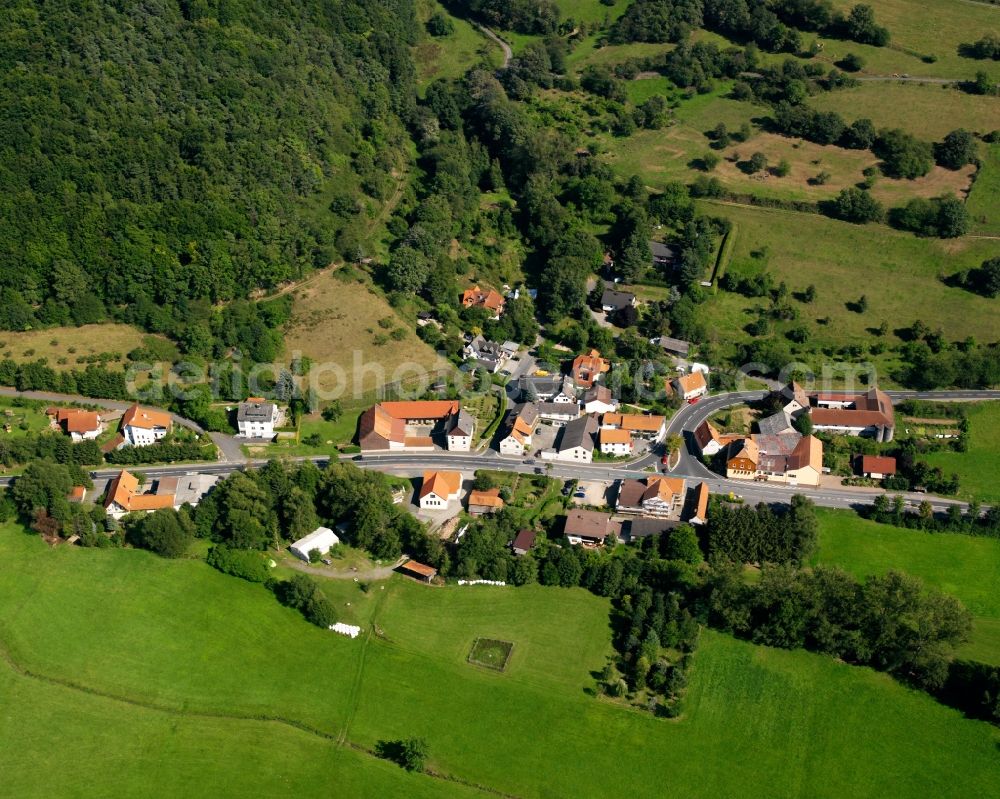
point(978, 468)
point(964, 566)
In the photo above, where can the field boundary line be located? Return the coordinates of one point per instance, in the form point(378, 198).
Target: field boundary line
point(300, 726)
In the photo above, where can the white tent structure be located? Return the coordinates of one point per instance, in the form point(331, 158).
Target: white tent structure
point(322, 538)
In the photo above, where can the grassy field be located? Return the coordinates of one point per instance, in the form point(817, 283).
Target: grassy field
point(978, 468)
point(983, 203)
point(928, 28)
point(927, 111)
point(453, 55)
point(179, 641)
point(124, 750)
point(69, 347)
point(964, 566)
point(845, 261)
point(339, 324)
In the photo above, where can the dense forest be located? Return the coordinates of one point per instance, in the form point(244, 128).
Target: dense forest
point(161, 157)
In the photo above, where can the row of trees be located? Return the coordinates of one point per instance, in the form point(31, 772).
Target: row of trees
point(770, 24)
point(891, 622)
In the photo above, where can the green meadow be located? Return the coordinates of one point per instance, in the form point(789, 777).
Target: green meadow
point(978, 468)
point(124, 671)
point(897, 272)
point(965, 566)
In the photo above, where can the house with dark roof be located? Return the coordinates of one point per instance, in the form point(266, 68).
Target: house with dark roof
point(776, 424)
point(599, 399)
point(575, 442)
point(460, 428)
point(613, 300)
point(588, 528)
point(662, 254)
point(673, 346)
point(523, 542)
point(558, 413)
point(255, 418)
point(488, 355)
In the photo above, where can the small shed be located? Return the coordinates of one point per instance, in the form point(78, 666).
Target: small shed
point(322, 538)
point(418, 571)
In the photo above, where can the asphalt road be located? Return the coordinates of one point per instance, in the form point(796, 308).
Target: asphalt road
point(689, 465)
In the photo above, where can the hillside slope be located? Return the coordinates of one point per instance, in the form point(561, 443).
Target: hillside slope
point(158, 153)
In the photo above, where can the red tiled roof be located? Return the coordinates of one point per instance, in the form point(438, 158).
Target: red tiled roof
point(146, 418)
point(879, 464)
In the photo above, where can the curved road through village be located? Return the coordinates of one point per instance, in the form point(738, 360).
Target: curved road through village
point(683, 423)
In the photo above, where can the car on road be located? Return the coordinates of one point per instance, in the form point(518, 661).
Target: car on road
point(580, 494)
point(665, 459)
point(539, 470)
point(693, 400)
point(529, 461)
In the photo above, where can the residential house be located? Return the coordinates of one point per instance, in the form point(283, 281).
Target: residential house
point(485, 501)
point(613, 301)
point(598, 399)
point(647, 526)
point(321, 539)
point(690, 386)
point(787, 458)
point(547, 388)
point(587, 369)
point(876, 467)
point(411, 425)
point(741, 459)
point(518, 430)
point(870, 414)
point(190, 488)
point(673, 346)
point(438, 489)
point(646, 426)
point(699, 514)
point(488, 355)
point(588, 528)
point(77, 494)
point(489, 299)
point(576, 441)
point(558, 413)
point(78, 424)
point(144, 426)
point(662, 254)
point(776, 424)
point(615, 441)
point(794, 399)
point(256, 418)
point(123, 497)
point(655, 496)
point(708, 439)
point(523, 542)
point(460, 428)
